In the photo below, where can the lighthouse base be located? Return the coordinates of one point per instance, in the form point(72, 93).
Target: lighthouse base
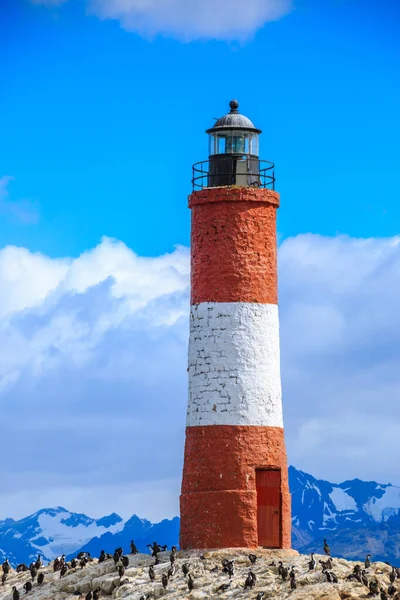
point(228, 497)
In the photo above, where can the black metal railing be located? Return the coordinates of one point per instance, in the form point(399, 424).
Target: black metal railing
point(220, 172)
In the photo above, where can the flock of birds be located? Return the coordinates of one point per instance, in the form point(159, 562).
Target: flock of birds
point(121, 562)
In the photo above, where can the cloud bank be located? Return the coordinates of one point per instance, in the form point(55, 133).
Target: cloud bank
point(188, 19)
point(93, 382)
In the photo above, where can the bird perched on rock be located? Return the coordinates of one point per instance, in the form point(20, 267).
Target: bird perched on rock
point(125, 561)
point(116, 557)
point(172, 556)
point(327, 550)
point(190, 582)
point(38, 563)
point(102, 556)
point(63, 570)
point(121, 570)
point(56, 565)
point(33, 572)
point(374, 587)
point(228, 567)
point(171, 571)
point(250, 581)
point(6, 567)
point(326, 564)
point(393, 575)
point(96, 594)
point(285, 573)
point(185, 568)
point(330, 577)
point(40, 578)
point(21, 568)
point(312, 564)
point(367, 561)
point(145, 597)
point(74, 563)
point(164, 580)
point(293, 582)
point(27, 586)
point(224, 587)
point(83, 562)
point(15, 593)
point(260, 595)
point(89, 596)
point(152, 575)
point(134, 550)
point(3, 579)
point(214, 569)
point(252, 558)
point(364, 579)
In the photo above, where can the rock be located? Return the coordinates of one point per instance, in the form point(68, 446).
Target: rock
point(136, 582)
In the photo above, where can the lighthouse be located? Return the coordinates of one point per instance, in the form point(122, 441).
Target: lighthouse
point(235, 479)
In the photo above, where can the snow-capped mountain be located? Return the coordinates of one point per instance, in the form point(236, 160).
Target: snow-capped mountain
point(357, 517)
point(50, 532)
point(322, 507)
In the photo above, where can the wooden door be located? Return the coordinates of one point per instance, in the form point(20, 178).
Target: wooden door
point(269, 507)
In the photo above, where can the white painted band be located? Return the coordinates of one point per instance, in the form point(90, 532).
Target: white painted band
point(234, 365)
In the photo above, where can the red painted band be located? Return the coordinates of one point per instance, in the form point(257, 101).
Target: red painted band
point(233, 249)
point(219, 500)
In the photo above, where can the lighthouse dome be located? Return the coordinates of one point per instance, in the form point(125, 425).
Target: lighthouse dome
point(233, 120)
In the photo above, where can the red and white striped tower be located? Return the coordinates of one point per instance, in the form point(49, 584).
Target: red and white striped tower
point(235, 479)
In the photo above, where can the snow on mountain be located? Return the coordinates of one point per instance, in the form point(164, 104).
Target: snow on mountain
point(319, 505)
point(52, 531)
point(353, 513)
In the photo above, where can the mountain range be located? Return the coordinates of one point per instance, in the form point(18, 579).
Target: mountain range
point(356, 516)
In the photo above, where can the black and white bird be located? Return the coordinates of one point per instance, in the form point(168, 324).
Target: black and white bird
point(89, 596)
point(312, 563)
point(171, 571)
point(152, 575)
point(293, 582)
point(164, 580)
point(121, 570)
point(96, 594)
point(63, 570)
point(125, 561)
point(252, 558)
point(327, 550)
point(224, 587)
point(250, 581)
point(133, 548)
point(185, 569)
point(40, 578)
point(27, 586)
point(383, 595)
point(190, 582)
point(367, 561)
point(260, 595)
point(15, 593)
point(393, 575)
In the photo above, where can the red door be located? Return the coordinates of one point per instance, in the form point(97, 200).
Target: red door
point(268, 507)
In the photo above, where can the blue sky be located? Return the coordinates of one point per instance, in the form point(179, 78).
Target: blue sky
point(100, 126)
point(102, 114)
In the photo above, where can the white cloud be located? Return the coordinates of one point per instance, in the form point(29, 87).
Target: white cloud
point(93, 354)
point(188, 19)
